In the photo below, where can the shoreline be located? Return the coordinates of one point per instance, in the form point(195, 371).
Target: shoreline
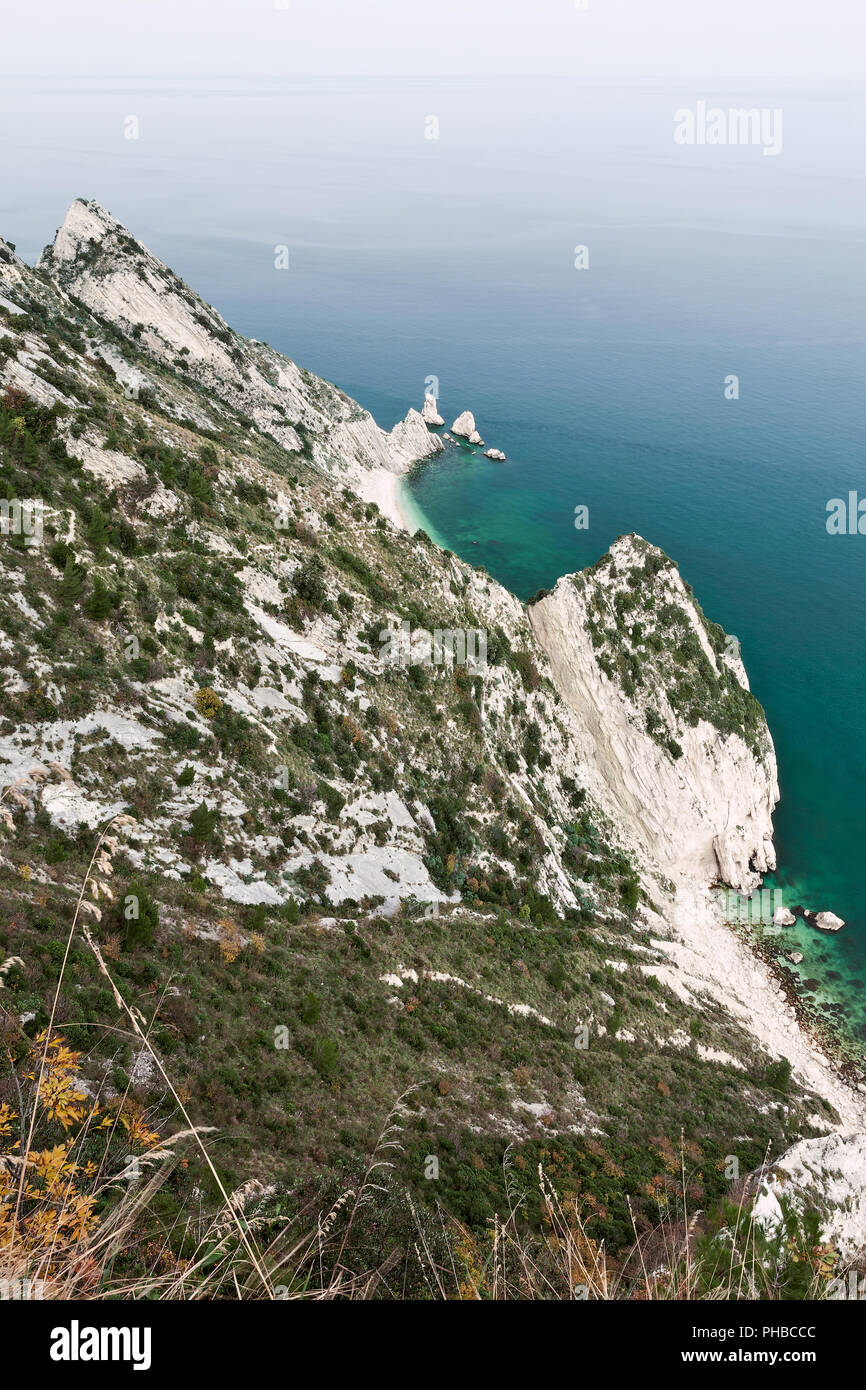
point(391, 495)
point(709, 957)
point(384, 490)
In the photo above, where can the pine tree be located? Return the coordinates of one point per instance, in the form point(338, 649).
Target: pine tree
point(203, 822)
point(97, 531)
point(73, 579)
point(98, 606)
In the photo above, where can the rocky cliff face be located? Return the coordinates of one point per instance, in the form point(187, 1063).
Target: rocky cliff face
point(664, 713)
point(94, 258)
point(826, 1175)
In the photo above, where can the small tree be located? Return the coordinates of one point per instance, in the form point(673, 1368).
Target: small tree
point(97, 531)
point(203, 823)
point(139, 916)
point(98, 605)
point(73, 579)
point(309, 582)
point(778, 1076)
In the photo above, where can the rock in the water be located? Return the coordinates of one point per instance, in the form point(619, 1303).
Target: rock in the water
point(475, 438)
point(464, 425)
point(429, 414)
point(783, 917)
point(494, 454)
point(795, 957)
point(828, 921)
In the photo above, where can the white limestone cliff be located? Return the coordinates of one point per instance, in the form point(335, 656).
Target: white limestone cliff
point(692, 795)
point(705, 812)
point(827, 1175)
point(410, 440)
point(96, 259)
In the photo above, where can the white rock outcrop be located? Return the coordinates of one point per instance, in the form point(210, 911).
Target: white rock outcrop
point(828, 921)
point(429, 413)
point(409, 441)
point(828, 1175)
point(705, 813)
point(495, 454)
point(475, 438)
point(464, 425)
point(783, 917)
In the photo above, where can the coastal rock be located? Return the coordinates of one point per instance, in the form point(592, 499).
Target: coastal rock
point(475, 438)
point(429, 414)
point(410, 440)
point(826, 1174)
point(496, 454)
point(795, 957)
point(464, 425)
point(697, 794)
point(783, 917)
point(828, 921)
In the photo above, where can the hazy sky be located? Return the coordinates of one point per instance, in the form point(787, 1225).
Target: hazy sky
point(797, 40)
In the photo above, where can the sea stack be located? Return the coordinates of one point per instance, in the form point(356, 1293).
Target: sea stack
point(464, 425)
point(429, 414)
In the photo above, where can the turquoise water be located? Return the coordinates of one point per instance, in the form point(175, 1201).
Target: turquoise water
point(605, 387)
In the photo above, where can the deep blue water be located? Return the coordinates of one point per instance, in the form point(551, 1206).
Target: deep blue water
point(454, 258)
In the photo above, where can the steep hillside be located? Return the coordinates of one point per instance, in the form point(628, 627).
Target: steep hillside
point(369, 871)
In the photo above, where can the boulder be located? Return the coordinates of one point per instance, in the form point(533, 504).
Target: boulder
point(464, 425)
point(783, 917)
point(475, 438)
point(828, 921)
point(429, 414)
point(496, 454)
point(795, 957)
